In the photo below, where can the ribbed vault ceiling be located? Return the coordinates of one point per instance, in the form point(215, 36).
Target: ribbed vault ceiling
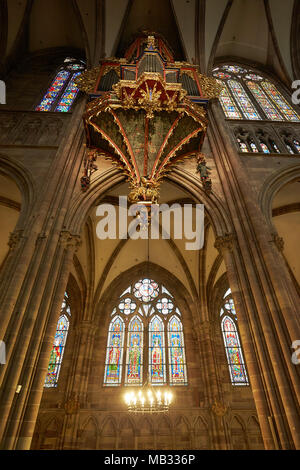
point(200, 31)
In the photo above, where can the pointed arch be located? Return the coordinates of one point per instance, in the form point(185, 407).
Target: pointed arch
point(233, 349)
point(114, 352)
point(89, 433)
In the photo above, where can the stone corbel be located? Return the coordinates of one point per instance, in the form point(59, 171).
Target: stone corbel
point(225, 242)
point(15, 238)
point(278, 241)
point(69, 240)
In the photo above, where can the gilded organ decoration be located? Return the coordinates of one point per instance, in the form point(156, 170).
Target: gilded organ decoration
point(146, 114)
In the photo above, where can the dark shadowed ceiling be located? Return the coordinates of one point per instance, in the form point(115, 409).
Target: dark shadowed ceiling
point(262, 32)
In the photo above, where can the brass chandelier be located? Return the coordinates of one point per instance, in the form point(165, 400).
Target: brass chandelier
point(146, 400)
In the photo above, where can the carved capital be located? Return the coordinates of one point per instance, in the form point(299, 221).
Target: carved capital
point(69, 240)
point(14, 239)
point(278, 241)
point(225, 242)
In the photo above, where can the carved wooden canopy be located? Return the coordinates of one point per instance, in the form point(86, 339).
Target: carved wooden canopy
point(146, 113)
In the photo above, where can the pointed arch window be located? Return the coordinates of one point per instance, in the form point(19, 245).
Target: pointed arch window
point(232, 344)
point(114, 351)
point(177, 364)
point(59, 343)
point(134, 362)
point(252, 96)
point(157, 362)
point(146, 329)
point(63, 90)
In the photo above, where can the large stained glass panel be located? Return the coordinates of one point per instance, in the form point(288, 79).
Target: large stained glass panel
point(234, 353)
point(270, 111)
point(177, 365)
point(134, 361)
point(57, 352)
point(157, 363)
point(53, 91)
point(69, 95)
point(277, 98)
point(229, 107)
point(114, 352)
point(243, 100)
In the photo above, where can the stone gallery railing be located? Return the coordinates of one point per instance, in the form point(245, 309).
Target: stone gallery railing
point(31, 128)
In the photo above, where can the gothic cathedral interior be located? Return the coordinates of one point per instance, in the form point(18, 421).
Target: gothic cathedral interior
point(150, 224)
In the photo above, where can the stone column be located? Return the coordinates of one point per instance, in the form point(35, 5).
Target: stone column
point(33, 376)
point(30, 294)
point(272, 313)
point(225, 246)
point(78, 382)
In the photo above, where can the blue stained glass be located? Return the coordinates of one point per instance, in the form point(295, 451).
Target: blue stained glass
point(53, 91)
point(289, 113)
point(69, 95)
point(228, 105)
point(243, 100)
point(258, 93)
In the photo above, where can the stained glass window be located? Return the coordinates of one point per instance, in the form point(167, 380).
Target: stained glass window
point(145, 322)
point(243, 147)
point(165, 306)
point(274, 146)
point(53, 91)
point(177, 366)
point(127, 306)
point(297, 145)
point(69, 95)
point(264, 147)
point(277, 98)
point(157, 362)
point(233, 349)
point(134, 361)
point(253, 147)
point(289, 148)
point(146, 289)
point(267, 103)
point(270, 111)
point(243, 100)
point(59, 343)
point(229, 107)
point(62, 92)
point(114, 352)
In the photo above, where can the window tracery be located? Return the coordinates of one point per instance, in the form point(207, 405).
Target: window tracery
point(148, 320)
point(63, 90)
